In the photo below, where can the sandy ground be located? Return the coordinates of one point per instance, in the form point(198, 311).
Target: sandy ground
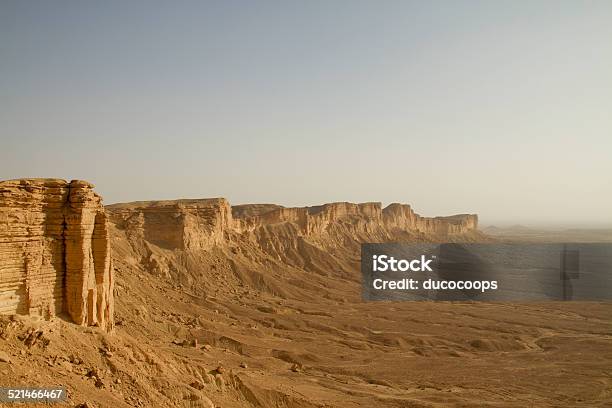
point(258, 335)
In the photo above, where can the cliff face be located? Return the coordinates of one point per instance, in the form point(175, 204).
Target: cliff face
point(201, 224)
point(367, 216)
point(55, 251)
point(208, 244)
point(289, 235)
point(403, 217)
point(180, 224)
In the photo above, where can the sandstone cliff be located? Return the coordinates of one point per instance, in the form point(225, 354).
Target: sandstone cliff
point(55, 251)
point(316, 220)
point(179, 224)
point(200, 224)
point(191, 241)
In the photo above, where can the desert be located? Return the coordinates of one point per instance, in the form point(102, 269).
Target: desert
point(259, 306)
point(305, 204)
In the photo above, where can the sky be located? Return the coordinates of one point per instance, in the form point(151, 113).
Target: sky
point(498, 108)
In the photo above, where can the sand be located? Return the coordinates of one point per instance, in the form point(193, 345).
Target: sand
point(234, 327)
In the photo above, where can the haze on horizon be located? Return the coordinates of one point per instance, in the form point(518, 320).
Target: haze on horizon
point(501, 109)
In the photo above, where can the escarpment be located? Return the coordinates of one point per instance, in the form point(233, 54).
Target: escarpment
point(195, 242)
point(55, 251)
point(403, 217)
point(366, 216)
point(202, 224)
point(179, 224)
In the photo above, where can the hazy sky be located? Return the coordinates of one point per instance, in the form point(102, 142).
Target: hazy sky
point(498, 108)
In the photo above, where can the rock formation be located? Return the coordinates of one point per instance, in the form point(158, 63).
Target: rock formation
point(184, 240)
point(185, 224)
point(315, 220)
point(205, 223)
point(402, 216)
point(179, 224)
point(55, 251)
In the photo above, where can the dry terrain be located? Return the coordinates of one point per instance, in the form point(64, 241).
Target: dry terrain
point(259, 306)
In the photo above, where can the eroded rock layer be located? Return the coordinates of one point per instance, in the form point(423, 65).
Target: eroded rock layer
point(55, 251)
point(209, 246)
point(316, 220)
point(178, 224)
point(185, 224)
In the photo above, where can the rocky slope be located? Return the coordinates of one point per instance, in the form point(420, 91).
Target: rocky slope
point(203, 223)
point(259, 306)
point(55, 251)
point(180, 239)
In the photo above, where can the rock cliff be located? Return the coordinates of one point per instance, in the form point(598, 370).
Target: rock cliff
point(403, 217)
point(179, 224)
point(211, 247)
point(201, 224)
point(316, 220)
point(55, 251)
point(164, 235)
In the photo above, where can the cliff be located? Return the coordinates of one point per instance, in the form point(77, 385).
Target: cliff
point(55, 251)
point(179, 224)
point(403, 217)
point(203, 223)
point(316, 220)
point(212, 247)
